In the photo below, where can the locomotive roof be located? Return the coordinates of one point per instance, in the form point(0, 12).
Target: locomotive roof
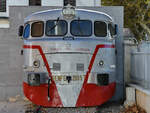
point(55, 13)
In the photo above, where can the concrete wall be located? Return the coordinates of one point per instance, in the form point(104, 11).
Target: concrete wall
point(142, 97)
point(13, 3)
point(10, 46)
point(10, 64)
point(143, 100)
point(128, 46)
point(47, 3)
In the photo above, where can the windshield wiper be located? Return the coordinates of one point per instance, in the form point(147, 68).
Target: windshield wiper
point(80, 30)
point(54, 25)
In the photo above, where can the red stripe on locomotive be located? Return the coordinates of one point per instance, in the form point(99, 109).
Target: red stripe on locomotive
point(90, 94)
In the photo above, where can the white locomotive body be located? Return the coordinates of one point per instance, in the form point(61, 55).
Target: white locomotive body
point(69, 58)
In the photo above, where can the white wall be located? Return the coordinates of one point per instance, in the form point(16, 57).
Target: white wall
point(97, 2)
point(52, 2)
point(48, 3)
point(78, 2)
point(18, 2)
point(88, 2)
point(55, 2)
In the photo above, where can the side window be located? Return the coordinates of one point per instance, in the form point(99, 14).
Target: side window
point(100, 29)
point(26, 32)
point(111, 29)
point(37, 29)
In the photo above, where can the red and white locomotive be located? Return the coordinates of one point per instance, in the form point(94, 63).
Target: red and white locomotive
point(69, 57)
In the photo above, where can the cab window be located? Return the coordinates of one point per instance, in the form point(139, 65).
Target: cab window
point(56, 28)
point(81, 28)
point(100, 29)
point(26, 32)
point(37, 29)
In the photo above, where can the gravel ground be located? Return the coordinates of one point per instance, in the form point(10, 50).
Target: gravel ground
point(20, 106)
point(110, 108)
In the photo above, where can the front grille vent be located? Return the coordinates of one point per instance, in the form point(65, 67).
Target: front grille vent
point(80, 67)
point(103, 79)
point(56, 66)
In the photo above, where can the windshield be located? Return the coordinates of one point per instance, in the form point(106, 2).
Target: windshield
point(56, 28)
point(81, 28)
point(26, 32)
point(37, 29)
point(100, 29)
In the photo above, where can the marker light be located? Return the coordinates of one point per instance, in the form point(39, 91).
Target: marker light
point(68, 12)
point(101, 63)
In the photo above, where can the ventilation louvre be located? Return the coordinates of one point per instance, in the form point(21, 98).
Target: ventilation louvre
point(103, 79)
point(80, 67)
point(56, 67)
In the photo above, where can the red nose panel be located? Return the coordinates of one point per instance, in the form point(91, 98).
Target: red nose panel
point(38, 95)
point(93, 95)
point(90, 94)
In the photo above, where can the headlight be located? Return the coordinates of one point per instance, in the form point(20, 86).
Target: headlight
point(34, 79)
point(36, 63)
point(68, 12)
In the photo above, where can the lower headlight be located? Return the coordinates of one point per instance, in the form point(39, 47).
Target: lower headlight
point(36, 63)
point(34, 79)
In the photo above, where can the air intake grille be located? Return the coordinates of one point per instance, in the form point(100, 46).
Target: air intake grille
point(103, 79)
point(80, 67)
point(56, 66)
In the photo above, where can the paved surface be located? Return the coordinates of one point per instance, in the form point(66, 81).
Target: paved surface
point(12, 107)
point(20, 106)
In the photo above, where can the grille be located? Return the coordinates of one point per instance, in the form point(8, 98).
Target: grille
point(34, 79)
point(103, 79)
point(56, 66)
point(80, 67)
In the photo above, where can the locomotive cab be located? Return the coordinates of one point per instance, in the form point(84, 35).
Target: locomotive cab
point(69, 57)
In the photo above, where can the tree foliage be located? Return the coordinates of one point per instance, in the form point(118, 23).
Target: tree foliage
point(136, 15)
